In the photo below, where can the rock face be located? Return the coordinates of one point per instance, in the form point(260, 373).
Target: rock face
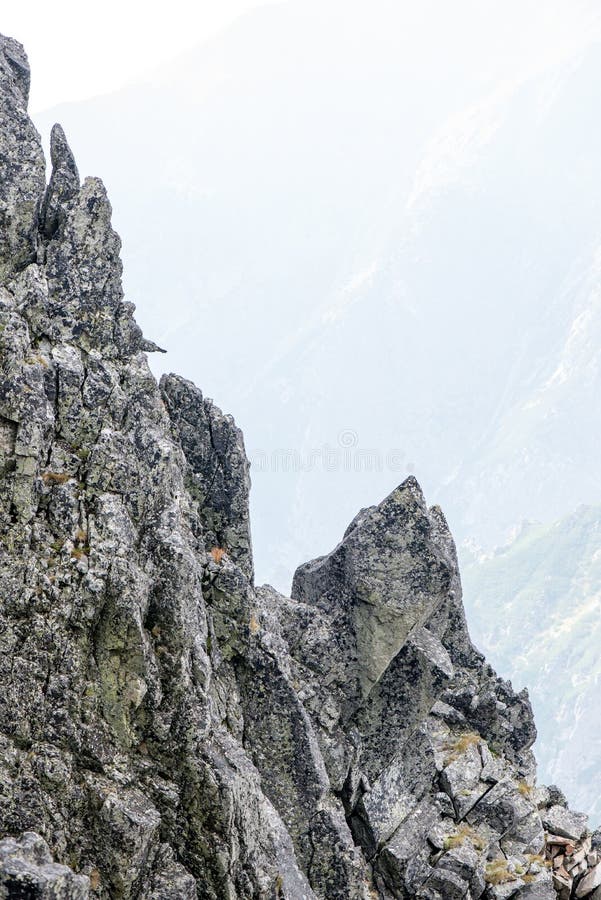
point(27, 870)
point(218, 472)
point(22, 172)
point(167, 730)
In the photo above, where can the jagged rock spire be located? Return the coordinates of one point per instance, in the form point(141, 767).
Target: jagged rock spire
point(22, 168)
point(364, 583)
point(15, 65)
point(64, 182)
point(218, 475)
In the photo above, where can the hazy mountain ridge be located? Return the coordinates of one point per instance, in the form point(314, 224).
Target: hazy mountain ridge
point(534, 608)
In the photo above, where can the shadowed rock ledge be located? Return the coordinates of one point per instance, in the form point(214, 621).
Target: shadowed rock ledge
point(167, 730)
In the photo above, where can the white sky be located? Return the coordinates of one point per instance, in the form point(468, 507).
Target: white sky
point(79, 49)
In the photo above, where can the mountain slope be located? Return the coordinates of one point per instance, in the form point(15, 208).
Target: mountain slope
point(547, 583)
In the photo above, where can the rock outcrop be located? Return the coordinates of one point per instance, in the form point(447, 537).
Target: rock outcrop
point(167, 730)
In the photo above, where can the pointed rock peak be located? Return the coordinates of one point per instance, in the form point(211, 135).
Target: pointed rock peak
point(64, 182)
point(388, 575)
point(23, 166)
point(379, 540)
point(150, 347)
point(405, 501)
point(218, 474)
point(61, 155)
point(442, 533)
point(14, 67)
point(83, 269)
point(394, 508)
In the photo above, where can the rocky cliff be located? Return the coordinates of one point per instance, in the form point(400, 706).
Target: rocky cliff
point(167, 730)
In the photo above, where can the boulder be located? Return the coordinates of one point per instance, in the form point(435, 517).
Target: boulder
point(564, 822)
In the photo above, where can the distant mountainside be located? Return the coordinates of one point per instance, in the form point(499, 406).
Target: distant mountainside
point(535, 609)
point(421, 274)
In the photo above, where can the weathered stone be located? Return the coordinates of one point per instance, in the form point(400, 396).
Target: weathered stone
point(408, 845)
point(218, 471)
point(27, 871)
point(461, 779)
point(564, 822)
point(447, 884)
point(385, 577)
point(402, 698)
point(539, 890)
point(448, 713)
point(494, 769)
point(170, 880)
point(502, 808)
point(22, 169)
point(556, 796)
point(462, 860)
point(590, 881)
point(64, 183)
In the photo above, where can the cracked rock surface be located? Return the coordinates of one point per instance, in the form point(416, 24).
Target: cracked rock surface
point(167, 730)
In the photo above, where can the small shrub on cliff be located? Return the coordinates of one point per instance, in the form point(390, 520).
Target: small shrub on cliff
point(498, 872)
point(80, 552)
point(55, 477)
point(457, 747)
point(525, 789)
point(462, 834)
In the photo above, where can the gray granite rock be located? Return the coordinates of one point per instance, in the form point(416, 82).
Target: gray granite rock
point(218, 470)
point(385, 577)
point(539, 890)
point(64, 183)
point(564, 822)
point(28, 872)
point(22, 167)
